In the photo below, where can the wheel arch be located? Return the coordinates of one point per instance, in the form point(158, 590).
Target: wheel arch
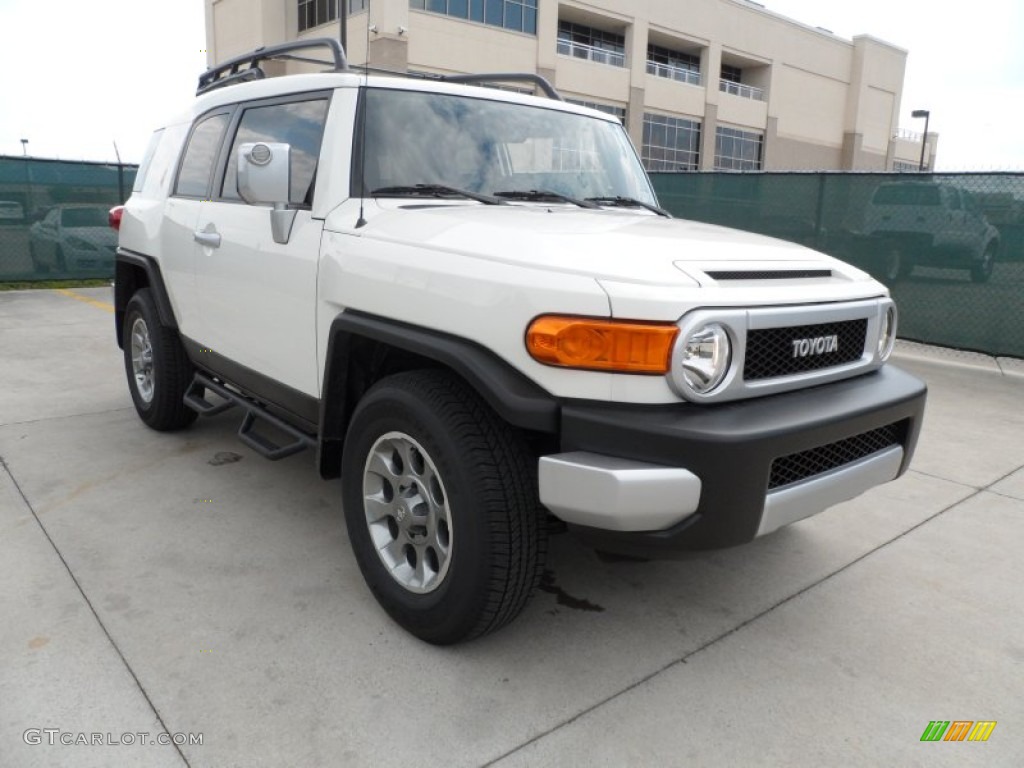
point(363, 348)
point(133, 271)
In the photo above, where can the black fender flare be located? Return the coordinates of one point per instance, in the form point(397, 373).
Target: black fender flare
point(514, 397)
point(125, 286)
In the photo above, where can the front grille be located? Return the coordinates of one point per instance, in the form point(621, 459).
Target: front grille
point(800, 466)
point(771, 352)
point(786, 274)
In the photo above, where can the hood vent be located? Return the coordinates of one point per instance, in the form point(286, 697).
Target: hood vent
point(785, 274)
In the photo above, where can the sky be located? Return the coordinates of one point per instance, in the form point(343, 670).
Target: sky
point(965, 65)
point(97, 72)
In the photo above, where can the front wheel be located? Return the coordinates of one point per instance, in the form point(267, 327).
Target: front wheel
point(440, 500)
point(158, 369)
point(982, 270)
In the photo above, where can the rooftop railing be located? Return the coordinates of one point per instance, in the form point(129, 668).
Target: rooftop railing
point(591, 53)
point(672, 72)
point(741, 90)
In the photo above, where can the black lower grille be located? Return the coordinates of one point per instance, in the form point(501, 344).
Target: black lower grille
point(800, 466)
point(773, 352)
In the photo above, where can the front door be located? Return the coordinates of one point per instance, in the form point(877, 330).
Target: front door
point(257, 297)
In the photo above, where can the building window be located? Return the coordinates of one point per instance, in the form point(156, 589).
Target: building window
point(732, 82)
point(670, 143)
point(582, 42)
point(608, 109)
point(664, 62)
point(313, 13)
point(737, 150)
point(515, 15)
point(732, 74)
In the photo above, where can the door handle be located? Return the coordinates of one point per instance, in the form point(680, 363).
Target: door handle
point(207, 239)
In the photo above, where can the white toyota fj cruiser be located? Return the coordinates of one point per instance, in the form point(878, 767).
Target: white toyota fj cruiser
point(467, 301)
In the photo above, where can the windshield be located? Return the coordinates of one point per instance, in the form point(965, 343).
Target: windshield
point(490, 147)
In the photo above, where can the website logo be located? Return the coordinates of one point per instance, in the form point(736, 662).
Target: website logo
point(958, 730)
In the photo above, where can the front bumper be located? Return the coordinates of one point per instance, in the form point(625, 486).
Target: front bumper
point(652, 480)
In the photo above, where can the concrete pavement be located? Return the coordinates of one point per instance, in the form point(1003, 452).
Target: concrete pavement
point(181, 584)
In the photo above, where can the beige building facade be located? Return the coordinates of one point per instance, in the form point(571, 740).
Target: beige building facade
point(699, 84)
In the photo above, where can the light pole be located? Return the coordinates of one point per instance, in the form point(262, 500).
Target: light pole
point(924, 141)
point(24, 147)
point(343, 13)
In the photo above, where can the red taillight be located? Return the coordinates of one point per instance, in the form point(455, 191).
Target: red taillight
point(114, 217)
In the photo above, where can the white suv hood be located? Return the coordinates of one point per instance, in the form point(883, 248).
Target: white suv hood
point(637, 258)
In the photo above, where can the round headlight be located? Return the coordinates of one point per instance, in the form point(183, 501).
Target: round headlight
point(705, 358)
point(887, 338)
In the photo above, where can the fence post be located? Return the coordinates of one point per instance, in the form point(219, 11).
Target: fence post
point(819, 213)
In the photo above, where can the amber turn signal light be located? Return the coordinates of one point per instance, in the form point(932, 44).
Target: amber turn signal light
point(601, 345)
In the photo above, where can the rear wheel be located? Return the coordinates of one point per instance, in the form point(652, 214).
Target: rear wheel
point(158, 369)
point(440, 500)
point(37, 265)
point(897, 264)
point(981, 271)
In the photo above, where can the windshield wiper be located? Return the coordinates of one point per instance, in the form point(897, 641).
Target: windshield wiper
point(629, 202)
point(540, 195)
point(435, 190)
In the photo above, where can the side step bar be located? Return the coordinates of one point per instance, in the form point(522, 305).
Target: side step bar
point(195, 398)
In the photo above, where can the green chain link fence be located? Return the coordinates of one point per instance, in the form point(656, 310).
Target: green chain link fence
point(53, 218)
point(949, 246)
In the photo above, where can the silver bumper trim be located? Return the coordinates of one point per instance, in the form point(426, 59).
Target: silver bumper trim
point(616, 494)
point(795, 502)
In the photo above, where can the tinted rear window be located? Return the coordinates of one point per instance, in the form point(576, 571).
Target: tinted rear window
point(197, 167)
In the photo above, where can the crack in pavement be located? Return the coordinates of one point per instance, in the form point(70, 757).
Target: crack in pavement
point(92, 608)
point(65, 416)
point(728, 633)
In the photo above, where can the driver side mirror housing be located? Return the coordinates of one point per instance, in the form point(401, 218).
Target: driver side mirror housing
point(264, 176)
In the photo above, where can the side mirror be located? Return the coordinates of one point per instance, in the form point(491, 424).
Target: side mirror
point(264, 172)
point(264, 176)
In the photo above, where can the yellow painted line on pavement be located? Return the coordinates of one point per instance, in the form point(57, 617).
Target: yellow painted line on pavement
point(79, 297)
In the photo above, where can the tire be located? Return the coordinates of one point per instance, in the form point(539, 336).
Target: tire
point(982, 271)
point(164, 371)
point(37, 266)
point(464, 486)
point(897, 265)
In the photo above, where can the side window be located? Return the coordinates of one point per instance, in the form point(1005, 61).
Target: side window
point(147, 161)
point(298, 123)
point(200, 155)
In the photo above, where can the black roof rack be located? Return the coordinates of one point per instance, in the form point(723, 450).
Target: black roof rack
point(507, 77)
point(247, 67)
point(232, 71)
point(482, 79)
